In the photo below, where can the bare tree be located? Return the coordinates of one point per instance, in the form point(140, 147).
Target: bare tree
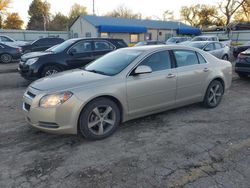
point(168, 15)
point(124, 12)
point(229, 7)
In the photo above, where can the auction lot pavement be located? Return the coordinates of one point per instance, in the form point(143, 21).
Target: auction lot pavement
point(187, 147)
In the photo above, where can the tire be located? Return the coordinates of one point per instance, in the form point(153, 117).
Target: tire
point(6, 58)
point(50, 70)
point(242, 75)
point(214, 94)
point(225, 57)
point(94, 124)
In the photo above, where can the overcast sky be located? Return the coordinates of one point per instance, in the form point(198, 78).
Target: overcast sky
point(153, 8)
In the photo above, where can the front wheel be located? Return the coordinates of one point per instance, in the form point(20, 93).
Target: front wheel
point(99, 119)
point(50, 70)
point(214, 94)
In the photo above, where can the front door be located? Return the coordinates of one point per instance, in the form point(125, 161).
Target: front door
point(152, 91)
point(80, 54)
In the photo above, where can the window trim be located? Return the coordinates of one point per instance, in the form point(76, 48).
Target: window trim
point(91, 42)
point(199, 59)
point(148, 55)
point(114, 47)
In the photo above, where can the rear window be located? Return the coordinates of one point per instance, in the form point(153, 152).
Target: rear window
point(120, 43)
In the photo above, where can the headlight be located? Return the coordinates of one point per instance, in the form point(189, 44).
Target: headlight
point(31, 61)
point(53, 100)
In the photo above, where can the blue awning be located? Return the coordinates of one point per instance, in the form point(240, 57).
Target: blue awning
point(121, 29)
point(189, 31)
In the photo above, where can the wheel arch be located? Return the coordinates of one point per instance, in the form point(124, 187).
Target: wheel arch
point(114, 99)
point(50, 64)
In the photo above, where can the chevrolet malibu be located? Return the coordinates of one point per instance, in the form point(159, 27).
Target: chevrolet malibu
point(123, 85)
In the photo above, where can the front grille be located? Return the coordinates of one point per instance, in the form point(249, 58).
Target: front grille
point(26, 106)
point(31, 95)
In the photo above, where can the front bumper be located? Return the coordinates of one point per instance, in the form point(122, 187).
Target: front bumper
point(28, 72)
point(62, 119)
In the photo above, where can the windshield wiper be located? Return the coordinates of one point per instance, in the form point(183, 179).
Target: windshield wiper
point(96, 71)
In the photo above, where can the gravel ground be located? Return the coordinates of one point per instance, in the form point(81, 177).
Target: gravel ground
point(187, 147)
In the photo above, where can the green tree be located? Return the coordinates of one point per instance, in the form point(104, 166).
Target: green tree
point(13, 21)
point(59, 22)
point(75, 11)
point(4, 4)
point(124, 12)
point(39, 15)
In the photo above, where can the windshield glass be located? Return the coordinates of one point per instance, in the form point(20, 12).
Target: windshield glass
point(172, 40)
point(61, 47)
point(199, 39)
point(197, 45)
point(114, 62)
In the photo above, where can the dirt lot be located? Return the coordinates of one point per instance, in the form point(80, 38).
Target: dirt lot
point(188, 147)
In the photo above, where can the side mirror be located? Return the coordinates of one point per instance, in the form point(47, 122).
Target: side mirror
point(207, 49)
point(72, 51)
point(142, 69)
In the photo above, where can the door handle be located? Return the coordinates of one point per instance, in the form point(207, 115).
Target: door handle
point(171, 76)
point(206, 69)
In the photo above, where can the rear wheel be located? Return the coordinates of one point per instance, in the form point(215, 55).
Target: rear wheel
point(99, 119)
point(214, 94)
point(6, 58)
point(241, 75)
point(225, 57)
point(50, 70)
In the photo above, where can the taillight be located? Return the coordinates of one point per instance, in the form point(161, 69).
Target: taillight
point(19, 50)
point(241, 56)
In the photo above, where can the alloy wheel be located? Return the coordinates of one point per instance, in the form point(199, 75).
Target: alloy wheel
point(51, 72)
point(101, 120)
point(215, 94)
point(6, 58)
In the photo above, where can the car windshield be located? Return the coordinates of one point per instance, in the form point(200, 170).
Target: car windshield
point(114, 62)
point(140, 43)
point(172, 40)
point(61, 47)
point(199, 39)
point(197, 45)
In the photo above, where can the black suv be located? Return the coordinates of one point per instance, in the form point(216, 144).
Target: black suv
point(73, 53)
point(42, 44)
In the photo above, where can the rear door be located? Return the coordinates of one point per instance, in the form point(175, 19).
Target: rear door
point(102, 47)
point(192, 73)
point(219, 51)
point(80, 54)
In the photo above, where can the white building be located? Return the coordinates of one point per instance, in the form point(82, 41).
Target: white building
point(130, 30)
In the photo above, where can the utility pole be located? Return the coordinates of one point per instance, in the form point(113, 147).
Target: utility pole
point(93, 7)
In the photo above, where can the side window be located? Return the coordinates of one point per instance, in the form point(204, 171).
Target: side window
point(210, 47)
point(82, 47)
point(6, 39)
point(102, 46)
point(185, 58)
point(218, 46)
point(201, 58)
point(158, 61)
point(41, 42)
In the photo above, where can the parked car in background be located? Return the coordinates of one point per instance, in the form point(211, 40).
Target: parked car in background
point(42, 44)
point(73, 53)
point(176, 40)
point(242, 65)
point(205, 38)
point(9, 53)
point(238, 49)
point(123, 85)
point(9, 41)
point(149, 42)
point(217, 49)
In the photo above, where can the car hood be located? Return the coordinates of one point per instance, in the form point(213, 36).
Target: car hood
point(30, 55)
point(67, 80)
